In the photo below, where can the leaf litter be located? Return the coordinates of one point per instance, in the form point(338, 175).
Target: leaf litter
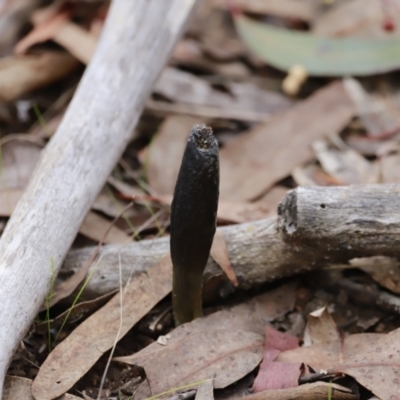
point(232, 340)
point(329, 133)
point(92, 338)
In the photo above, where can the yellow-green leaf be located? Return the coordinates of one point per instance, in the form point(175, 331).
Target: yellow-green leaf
point(320, 56)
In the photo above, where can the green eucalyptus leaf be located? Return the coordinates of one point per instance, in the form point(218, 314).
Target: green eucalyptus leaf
point(319, 55)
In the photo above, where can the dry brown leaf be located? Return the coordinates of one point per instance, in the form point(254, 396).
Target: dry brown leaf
point(378, 113)
point(311, 391)
point(67, 286)
point(47, 22)
point(21, 74)
point(131, 191)
point(188, 52)
point(382, 269)
point(78, 41)
point(390, 167)
point(17, 388)
point(8, 200)
point(205, 391)
point(244, 212)
point(326, 356)
point(107, 204)
point(344, 164)
point(254, 162)
point(53, 23)
point(372, 359)
point(238, 212)
point(184, 87)
point(163, 108)
point(377, 366)
point(97, 334)
point(18, 158)
point(95, 226)
point(164, 156)
point(13, 15)
point(320, 328)
point(312, 174)
point(363, 145)
point(225, 345)
point(225, 355)
point(74, 314)
point(219, 253)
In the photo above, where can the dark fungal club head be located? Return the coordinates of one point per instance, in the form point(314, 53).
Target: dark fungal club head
point(203, 137)
point(193, 221)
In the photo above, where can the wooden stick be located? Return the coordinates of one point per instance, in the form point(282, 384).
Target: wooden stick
point(343, 222)
point(356, 221)
point(137, 39)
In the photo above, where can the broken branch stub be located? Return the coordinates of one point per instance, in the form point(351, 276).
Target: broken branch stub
point(344, 221)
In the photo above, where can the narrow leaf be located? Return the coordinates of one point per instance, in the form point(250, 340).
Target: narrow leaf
point(319, 55)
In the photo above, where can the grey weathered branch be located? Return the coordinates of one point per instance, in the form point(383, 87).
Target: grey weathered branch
point(343, 222)
point(136, 41)
point(316, 227)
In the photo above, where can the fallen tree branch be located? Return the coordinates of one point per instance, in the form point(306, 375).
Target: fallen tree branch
point(137, 39)
point(316, 227)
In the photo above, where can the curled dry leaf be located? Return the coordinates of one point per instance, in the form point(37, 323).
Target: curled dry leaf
point(225, 345)
point(320, 328)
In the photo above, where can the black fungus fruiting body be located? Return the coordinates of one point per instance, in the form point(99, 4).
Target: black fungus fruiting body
point(193, 221)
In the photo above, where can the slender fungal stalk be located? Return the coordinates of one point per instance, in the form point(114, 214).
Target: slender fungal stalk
point(193, 221)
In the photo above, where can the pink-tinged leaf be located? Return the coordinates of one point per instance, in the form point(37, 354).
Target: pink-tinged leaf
point(274, 374)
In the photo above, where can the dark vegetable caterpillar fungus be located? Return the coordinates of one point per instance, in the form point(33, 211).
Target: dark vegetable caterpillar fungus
point(193, 221)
